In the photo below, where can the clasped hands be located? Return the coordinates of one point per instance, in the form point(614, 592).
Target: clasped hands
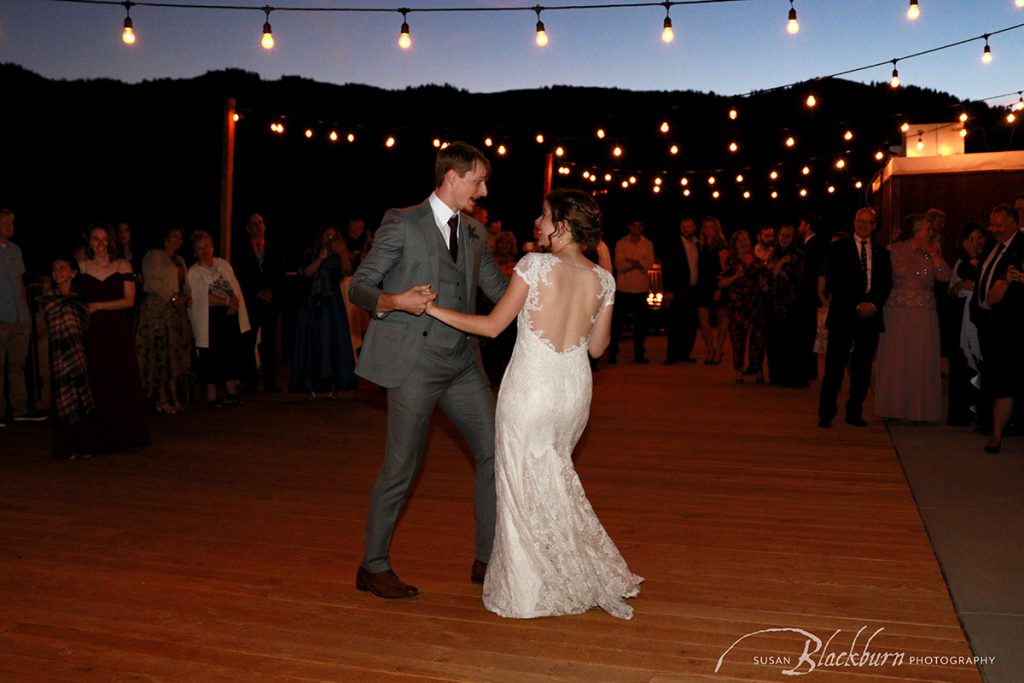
point(416, 300)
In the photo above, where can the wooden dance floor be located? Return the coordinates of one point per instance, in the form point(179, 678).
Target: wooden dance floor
point(227, 551)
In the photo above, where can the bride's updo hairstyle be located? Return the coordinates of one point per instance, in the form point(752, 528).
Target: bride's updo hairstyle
point(580, 211)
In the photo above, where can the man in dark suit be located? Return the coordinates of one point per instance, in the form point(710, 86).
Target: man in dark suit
point(259, 267)
point(859, 279)
point(432, 251)
point(814, 255)
point(679, 281)
point(997, 308)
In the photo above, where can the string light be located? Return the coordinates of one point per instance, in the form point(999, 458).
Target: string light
point(812, 101)
point(617, 152)
point(586, 175)
point(894, 82)
point(667, 35)
point(806, 170)
point(733, 147)
point(559, 152)
point(684, 182)
point(739, 178)
point(733, 114)
point(848, 135)
point(501, 150)
point(986, 54)
point(664, 127)
point(390, 142)
point(913, 12)
point(963, 132)
point(803, 192)
point(774, 175)
point(657, 181)
point(437, 142)
point(404, 39)
point(540, 138)
point(600, 133)
point(607, 177)
point(963, 117)
point(673, 150)
point(711, 180)
point(488, 142)
point(790, 141)
point(831, 189)
point(775, 195)
point(333, 137)
point(841, 164)
point(920, 140)
point(542, 36)
point(351, 137)
point(236, 117)
point(128, 34)
point(1011, 117)
point(268, 38)
point(632, 180)
point(746, 194)
point(309, 133)
point(859, 184)
point(879, 155)
point(1020, 102)
point(793, 26)
point(716, 194)
point(905, 127)
point(686, 192)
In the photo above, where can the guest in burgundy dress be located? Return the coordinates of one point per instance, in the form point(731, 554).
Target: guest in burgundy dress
point(108, 291)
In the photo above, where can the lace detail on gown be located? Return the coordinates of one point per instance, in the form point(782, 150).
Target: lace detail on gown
point(551, 555)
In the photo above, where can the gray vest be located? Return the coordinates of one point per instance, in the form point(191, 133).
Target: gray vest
point(452, 294)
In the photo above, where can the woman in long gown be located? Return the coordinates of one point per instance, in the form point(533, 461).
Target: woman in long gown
point(908, 381)
point(323, 361)
point(551, 555)
point(108, 291)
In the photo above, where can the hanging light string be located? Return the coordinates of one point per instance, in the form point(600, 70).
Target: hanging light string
point(984, 37)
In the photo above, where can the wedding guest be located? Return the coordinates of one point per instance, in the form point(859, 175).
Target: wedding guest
point(634, 256)
point(219, 319)
point(764, 244)
point(323, 361)
point(358, 241)
point(746, 278)
point(260, 270)
point(997, 308)
point(711, 306)
point(965, 354)
point(680, 271)
point(814, 257)
point(108, 291)
point(15, 326)
point(506, 252)
point(784, 311)
point(67, 320)
point(858, 280)
point(909, 380)
point(163, 336)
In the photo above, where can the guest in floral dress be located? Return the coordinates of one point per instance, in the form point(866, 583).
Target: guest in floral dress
point(746, 278)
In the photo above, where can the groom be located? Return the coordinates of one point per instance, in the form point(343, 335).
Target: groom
point(433, 250)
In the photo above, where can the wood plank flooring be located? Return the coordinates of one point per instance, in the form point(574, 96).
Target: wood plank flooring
point(227, 551)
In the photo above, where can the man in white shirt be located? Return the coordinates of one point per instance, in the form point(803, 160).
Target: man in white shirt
point(634, 256)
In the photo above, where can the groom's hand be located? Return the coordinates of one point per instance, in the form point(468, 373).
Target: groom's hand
point(413, 300)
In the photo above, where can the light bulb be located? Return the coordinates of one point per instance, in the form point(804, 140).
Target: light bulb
point(848, 135)
point(790, 141)
point(667, 34)
point(793, 26)
point(542, 36)
point(806, 170)
point(858, 184)
point(711, 180)
point(664, 127)
point(128, 34)
point(733, 147)
point(600, 133)
point(905, 127)
point(351, 137)
point(963, 117)
point(913, 12)
point(559, 151)
point(673, 150)
point(963, 132)
point(686, 192)
point(986, 55)
point(840, 164)
point(733, 114)
point(831, 189)
point(655, 189)
point(539, 138)
point(775, 195)
point(390, 142)
point(920, 143)
point(803, 193)
point(774, 175)
point(617, 152)
point(879, 155)
point(268, 37)
point(333, 136)
point(1011, 117)
point(404, 39)
point(812, 101)
point(309, 133)
point(894, 82)
point(739, 177)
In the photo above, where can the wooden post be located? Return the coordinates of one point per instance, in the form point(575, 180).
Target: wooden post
point(549, 160)
point(227, 177)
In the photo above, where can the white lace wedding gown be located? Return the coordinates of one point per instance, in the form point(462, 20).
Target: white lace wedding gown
point(551, 555)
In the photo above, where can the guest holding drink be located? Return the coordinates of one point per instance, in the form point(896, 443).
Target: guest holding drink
point(219, 318)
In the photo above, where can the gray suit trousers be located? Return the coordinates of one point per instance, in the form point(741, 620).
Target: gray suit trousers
point(451, 378)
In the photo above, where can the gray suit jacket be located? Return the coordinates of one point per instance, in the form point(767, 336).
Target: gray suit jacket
point(405, 253)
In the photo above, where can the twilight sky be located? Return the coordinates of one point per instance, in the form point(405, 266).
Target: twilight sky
point(730, 48)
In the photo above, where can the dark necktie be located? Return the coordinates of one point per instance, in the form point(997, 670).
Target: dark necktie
point(453, 238)
point(986, 275)
point(864, 262)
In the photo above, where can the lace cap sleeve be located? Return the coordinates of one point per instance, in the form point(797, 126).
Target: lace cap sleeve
point(607, 288)
point(527, 269)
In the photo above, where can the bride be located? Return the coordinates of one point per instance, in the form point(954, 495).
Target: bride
point(551, 555)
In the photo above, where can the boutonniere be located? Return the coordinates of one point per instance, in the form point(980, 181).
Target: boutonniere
point(471, 229)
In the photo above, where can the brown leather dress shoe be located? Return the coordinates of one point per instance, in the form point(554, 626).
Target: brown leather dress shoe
point(384, 584)
point(479, 571)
